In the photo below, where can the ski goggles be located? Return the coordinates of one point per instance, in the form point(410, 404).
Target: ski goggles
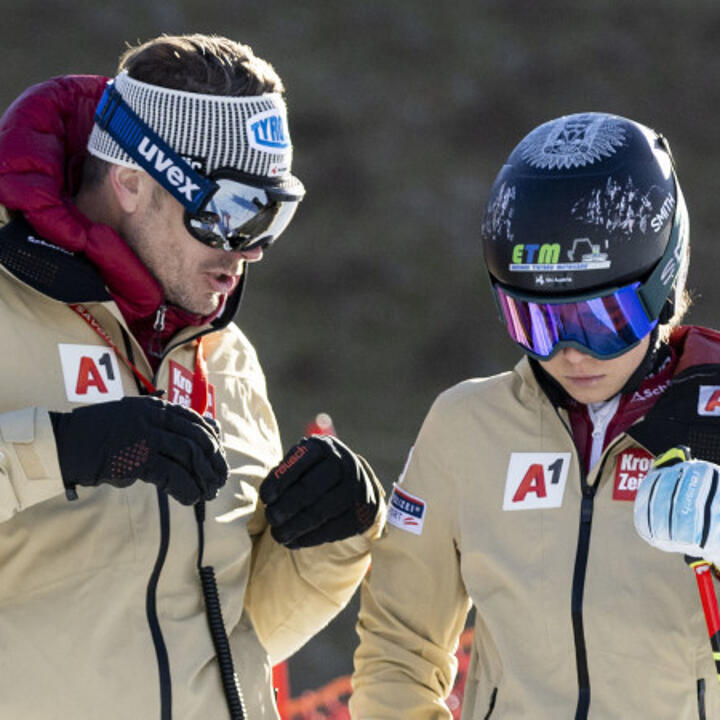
point(603, 326)
point(242, 213)
point(227, 209)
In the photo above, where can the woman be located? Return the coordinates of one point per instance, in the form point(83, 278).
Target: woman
point(517, 497)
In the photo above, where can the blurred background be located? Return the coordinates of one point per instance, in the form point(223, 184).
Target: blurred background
point(401, 114)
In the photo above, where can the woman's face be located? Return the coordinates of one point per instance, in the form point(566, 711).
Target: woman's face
point(589, 380)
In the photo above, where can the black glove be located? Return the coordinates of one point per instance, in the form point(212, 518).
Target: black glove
point(320, 492)
point(140, 438)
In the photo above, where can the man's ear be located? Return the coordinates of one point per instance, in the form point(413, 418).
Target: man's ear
point(128, 186)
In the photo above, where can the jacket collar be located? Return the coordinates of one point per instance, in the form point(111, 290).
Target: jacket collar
point(69, 276)
point(43, 138)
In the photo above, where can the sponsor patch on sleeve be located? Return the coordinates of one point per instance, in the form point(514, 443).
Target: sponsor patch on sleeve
point(709, 400)
point(406, 511)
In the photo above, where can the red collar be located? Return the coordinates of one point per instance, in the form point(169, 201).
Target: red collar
point(43, 138)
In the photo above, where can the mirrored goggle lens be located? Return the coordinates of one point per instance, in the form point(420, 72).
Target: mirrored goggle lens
point(606, 326)
point(241, 217)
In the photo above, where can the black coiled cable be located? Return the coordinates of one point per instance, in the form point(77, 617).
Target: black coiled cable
point(231, 685)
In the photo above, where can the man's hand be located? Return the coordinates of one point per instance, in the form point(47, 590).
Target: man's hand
point(141, 438)
point(320, 492)
point(677, 508)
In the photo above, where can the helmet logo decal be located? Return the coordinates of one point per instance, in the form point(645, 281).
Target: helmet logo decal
point(622, 209)
point(664, 214)
point(499, 213)
point(574, 141)
point(584, 255)
point(589, 253)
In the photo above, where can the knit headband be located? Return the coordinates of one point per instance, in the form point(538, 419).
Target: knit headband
point(247, 133)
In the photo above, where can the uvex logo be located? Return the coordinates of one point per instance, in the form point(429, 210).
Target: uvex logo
point(286, 464)
point(175, 175)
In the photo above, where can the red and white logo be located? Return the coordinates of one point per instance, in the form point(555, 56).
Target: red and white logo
point(91, 373)
point(632, 466)
point(181, 387)
point(406, 511)
point(536, 480)
point(709, 400)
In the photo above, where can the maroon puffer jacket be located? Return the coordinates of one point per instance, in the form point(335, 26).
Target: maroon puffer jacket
point(43, 138)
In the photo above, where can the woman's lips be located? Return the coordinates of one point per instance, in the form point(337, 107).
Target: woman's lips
point(584, 379)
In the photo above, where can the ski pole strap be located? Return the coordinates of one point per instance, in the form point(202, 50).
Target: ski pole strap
point(704, 578)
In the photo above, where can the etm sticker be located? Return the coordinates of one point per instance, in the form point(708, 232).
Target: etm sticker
point(536, 480)
point(91, 373)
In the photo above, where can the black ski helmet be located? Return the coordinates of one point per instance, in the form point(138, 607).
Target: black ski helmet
point(584, 203)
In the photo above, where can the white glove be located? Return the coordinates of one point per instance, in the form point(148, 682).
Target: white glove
point(677, 508)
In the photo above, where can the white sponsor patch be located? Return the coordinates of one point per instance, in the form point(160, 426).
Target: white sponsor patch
point(406, 511)
point(709, 400)
point(536, 480)
point(91, 373)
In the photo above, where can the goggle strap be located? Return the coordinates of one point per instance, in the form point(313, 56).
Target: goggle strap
point(116, 117)
point(654, 292)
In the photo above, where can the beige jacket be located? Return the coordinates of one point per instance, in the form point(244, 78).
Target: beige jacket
point(75, 640)
point(491, 506)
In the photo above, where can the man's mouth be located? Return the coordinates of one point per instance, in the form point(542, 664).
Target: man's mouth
point(223, 283)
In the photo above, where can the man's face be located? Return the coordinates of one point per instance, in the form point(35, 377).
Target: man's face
point(589, 380)
point(194, 276)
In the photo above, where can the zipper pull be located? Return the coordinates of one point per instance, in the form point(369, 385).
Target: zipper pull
point(156, 343)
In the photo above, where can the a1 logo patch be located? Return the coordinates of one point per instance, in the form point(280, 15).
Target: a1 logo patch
point(709, 400)
point(536, 480)
point(632, 466)
point(90, 372)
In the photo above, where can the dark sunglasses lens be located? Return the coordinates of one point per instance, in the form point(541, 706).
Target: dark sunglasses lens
point(241, 217)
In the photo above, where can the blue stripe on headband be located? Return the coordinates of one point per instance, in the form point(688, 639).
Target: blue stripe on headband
point(151, 152)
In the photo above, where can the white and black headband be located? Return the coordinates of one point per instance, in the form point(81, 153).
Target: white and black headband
point(245, 133)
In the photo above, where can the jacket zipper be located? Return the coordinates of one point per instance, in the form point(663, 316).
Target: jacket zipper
point(701, 699)
point(156, 344)
point(161, 654)
point(578, 590)
point(578, 584)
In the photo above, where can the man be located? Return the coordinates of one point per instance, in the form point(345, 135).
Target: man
point(518, 495)
point(130, 396)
